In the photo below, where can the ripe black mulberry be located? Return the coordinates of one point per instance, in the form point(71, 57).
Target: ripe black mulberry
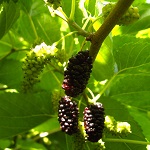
point(77, 73)
point(68, 115)
point(94, 121)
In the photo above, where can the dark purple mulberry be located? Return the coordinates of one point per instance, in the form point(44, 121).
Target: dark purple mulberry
point(77, 73)
point(68, 115)
point(94, 121)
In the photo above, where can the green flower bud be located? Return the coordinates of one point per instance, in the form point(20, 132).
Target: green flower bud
point(116, 127)
point(123, 127)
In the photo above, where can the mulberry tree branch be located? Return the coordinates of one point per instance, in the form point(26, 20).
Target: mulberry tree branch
point(99, 36)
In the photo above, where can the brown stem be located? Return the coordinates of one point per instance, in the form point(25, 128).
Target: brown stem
point(100, 35)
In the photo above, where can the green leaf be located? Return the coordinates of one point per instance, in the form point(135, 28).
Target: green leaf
point(11, 73)
point(130, 85)
point(90, 6)
point(45, 29)
point(8, 17)
point(30, 144)
point(15, 1)
point(142, 119)
point(51, 126)
point(36, 24)
point(132, 81)
point(51, 80)
point(120, 113)
point(136, 81)
point(22, 112)
point(4, 143)
point(33, 7)
point(132, 54)
point(103, 67)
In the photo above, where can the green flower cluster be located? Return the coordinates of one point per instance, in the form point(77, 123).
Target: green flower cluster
point(117, 127)
point(34, 63)
point(131, 15)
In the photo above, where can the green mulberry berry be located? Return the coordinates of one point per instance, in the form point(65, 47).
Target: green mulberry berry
point(34, 63)
point(130, 16)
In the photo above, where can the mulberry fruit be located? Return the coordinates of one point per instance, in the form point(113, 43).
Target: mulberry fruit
point(34, 64)
point(68, 115)
point(94, 121)
point(77, 73)
point(131, 15)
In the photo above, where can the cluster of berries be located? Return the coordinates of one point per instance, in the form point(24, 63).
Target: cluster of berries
point(76, 78)
point(32, 67)
point(131, 15)
point(94, 119)
point(34, 63)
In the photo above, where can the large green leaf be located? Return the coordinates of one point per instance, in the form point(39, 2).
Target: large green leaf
point(120, 113)
point(21, 112)
point(136, 81)
point(8, 17)
point(130, 85)
point(132, 81)
point(132, 54)
point(36, 25)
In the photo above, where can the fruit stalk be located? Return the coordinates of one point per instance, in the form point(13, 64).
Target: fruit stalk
point(126, 141)
point(100, 35)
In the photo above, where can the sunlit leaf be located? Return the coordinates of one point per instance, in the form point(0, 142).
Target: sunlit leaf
point(8, 17)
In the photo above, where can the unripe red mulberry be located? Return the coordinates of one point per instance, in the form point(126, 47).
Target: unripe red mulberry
point(94, 121)
point(77, 73)
point(68, 115)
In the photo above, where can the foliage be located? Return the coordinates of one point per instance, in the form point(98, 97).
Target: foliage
point(120, 78)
